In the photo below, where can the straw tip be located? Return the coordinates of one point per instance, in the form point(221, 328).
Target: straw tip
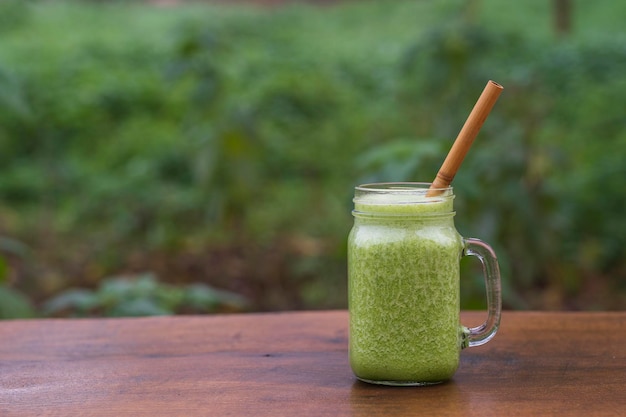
point(495, 84)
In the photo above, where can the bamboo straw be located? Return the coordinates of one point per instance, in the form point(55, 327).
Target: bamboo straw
point(465, 138)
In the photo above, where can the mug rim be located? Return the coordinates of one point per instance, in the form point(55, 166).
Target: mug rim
point(399, 186)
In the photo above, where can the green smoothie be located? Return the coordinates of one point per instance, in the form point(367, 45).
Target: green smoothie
point(403, 278)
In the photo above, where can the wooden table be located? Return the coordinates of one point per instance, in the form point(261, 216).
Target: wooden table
point(296, 364)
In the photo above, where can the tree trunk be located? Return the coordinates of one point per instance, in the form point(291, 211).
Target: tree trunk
point(562, 17)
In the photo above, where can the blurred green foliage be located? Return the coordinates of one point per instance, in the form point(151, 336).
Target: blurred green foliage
point(142, 295)
point(13, 303)
point(221, 144)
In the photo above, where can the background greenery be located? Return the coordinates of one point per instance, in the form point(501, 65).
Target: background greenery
point(201, 158)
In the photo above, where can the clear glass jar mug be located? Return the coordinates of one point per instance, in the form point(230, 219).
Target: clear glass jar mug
point(404, 286)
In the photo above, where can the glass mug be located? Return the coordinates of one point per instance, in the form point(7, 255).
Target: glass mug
point(403, 286)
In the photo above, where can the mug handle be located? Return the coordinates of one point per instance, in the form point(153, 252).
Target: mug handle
point(476, 336)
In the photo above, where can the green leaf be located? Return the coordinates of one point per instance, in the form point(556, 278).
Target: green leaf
point(14, 304)
point(4, 270)
point(138, 308)
point(75, 301)
point(206, 299)
point(13, 247)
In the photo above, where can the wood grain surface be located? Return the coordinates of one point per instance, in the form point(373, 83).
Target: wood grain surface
point(296, 364)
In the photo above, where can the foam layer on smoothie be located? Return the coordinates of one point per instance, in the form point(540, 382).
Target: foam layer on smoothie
point(402, 202)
